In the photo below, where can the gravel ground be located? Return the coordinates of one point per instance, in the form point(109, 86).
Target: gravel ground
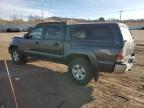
point(43, 84)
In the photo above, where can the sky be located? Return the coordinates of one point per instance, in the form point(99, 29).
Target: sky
point(86, 9)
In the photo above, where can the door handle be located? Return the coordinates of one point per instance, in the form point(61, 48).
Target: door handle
point(56, 44)
point(36, 42)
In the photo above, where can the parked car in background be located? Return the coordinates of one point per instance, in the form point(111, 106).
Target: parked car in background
point(13, 29)
point(2, 28)
point(136, 27)
point(87, 48)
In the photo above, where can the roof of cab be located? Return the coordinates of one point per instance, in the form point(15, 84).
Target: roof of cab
point(84, 23)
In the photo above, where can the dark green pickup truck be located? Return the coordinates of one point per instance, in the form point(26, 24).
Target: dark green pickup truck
point(87, 48)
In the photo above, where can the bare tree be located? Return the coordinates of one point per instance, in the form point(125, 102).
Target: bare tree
point(34, 18)
point(14, 17)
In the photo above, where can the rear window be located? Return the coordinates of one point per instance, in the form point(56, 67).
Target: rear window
point(102, 33)
point(126, 33)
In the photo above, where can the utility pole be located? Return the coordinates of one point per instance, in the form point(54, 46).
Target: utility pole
point(10, 18)
point(121, 14)
point(21, 17)
point(42, 15)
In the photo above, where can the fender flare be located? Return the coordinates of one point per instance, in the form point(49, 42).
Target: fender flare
point(90, 55)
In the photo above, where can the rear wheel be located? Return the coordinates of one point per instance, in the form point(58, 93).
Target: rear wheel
point(17, 57)
point(80, 71)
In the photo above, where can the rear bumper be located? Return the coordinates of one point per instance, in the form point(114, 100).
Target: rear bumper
point(124, 67)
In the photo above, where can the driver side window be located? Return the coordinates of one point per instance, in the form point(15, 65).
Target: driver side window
point(36, 33)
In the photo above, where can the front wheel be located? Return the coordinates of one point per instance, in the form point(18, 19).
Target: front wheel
point(80, 71)
point(17, 57)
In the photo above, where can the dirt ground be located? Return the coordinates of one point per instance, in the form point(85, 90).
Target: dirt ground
point(43, 84)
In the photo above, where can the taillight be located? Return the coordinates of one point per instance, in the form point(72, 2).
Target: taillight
point(119, 56)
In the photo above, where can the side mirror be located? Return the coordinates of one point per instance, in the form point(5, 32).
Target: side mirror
point(30, 29)
point(27, 36)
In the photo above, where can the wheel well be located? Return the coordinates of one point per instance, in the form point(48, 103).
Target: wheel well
point(12, 47)
point(69, 58)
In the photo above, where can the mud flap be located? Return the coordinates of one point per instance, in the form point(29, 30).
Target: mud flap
point(95, 70)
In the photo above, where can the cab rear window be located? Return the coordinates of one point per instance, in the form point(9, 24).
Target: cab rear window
point(79, 33)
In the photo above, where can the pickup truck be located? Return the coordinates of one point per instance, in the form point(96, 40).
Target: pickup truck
point(87, 48)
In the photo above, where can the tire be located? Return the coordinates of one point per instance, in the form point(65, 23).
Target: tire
point(80, 71)
point(17, 57)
